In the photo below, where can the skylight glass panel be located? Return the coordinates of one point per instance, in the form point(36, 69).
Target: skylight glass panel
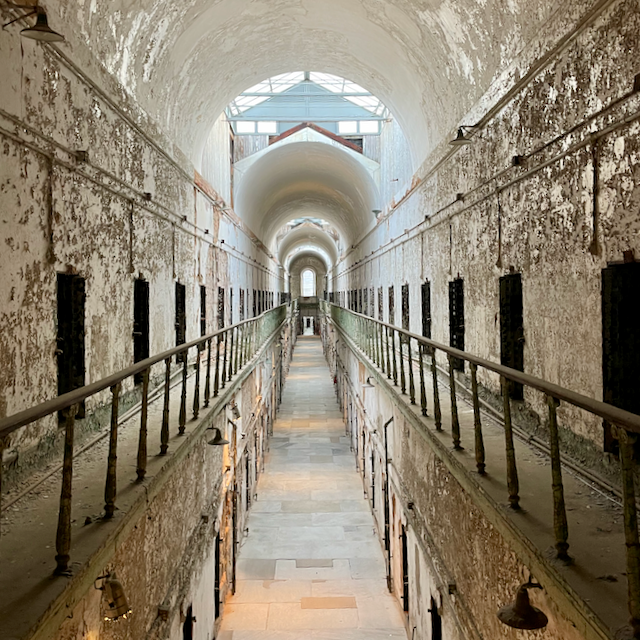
point(346, 127)
point(267, 127)
point(245, 126)
point(369, 126)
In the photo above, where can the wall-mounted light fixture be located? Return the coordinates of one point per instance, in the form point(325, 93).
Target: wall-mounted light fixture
point(461, 138)
point(218, 439)
point(114, 596)
point(368, 384)
point(521, 614)
point(376, 212)
point(41, 30)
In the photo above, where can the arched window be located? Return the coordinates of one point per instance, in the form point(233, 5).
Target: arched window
point(308, 283)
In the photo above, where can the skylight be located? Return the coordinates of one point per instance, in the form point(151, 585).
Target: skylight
point(279, 103)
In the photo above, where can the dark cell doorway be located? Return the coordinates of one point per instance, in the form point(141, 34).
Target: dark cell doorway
point(203, 314)
point(140, 323)
point(220, 308)
point(70, 336)
point(181, 319)
point(405, 571)
point(620, 341)
point(426, 309)
point(436, 621)
point(187, 627)
point(512, 328)
point(456, 319)
point(216, 577)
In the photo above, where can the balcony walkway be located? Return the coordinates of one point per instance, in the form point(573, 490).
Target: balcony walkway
point(312, 566)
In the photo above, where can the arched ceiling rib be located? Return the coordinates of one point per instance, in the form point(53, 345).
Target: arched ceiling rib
point(306, 179)
point(428, 61)
point(305, 235)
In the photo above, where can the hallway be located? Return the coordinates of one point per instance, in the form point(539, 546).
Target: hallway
point(311, 566)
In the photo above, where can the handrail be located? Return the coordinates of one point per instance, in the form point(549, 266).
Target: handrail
point(377, 340)
point(13, 422)
point(630, 421)
point(234, 347)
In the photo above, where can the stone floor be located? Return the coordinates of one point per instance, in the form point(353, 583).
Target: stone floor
point(312, 566)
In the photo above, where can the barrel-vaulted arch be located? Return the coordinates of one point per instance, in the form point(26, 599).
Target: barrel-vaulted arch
point(307, 180)
point(307, 235)
point(184, 60)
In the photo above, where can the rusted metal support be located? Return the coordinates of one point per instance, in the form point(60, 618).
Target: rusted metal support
point(207, 383)
point(455, 422)
point(216, 379)
point(164, 431)
point(63, 533)
point(403, 380)
point(196, 390)
point(182, 416)
point(395, 359)
point(477, 425)
point(141, 465)
point(437, 413)
point(110, 488)
point(560, 526)
point(225, 338)
point(423, 390)
point(626, 442)
point(512, 470)
point(412, 387)
point(231, 338)
point(388, 355)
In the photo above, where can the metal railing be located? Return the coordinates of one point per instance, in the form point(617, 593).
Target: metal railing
point(228, 350)
point(394, 351)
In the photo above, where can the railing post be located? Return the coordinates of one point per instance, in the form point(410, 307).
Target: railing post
point(196, 390)
point(388, 356)
point(141, 467)
point(560, 526)
point(381, 362)
point(182, 416)
point(207, 383)
point(63, 533)
point(395, 359)
point(412, 388)
point(437, 413)
point(225, 336)
point(230, 372)
point(110, 488)
point(235, 358)
point(216, 379)
point(164, 431)
point(423, 390)
point(512, 470)
point(477, 425)
point(455, 422)
point(403, 380)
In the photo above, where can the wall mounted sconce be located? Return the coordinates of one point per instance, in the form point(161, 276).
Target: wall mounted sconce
point(376, 212)
point(41, 31)
point(218, 439)
point(117, 605)
point(521, 614)
point(368, 384)
point(461, 138)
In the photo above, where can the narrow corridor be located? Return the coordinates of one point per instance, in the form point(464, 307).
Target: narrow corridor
point(312, 566)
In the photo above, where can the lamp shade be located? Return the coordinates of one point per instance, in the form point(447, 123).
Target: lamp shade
point(521, 614)
point(41, 30)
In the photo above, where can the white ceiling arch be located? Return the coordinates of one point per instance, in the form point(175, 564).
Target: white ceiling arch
point(184, 60)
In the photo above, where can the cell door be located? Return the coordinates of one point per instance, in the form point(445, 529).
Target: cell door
point(187, 627)
point(436, 621)
point(456, 319)
point(216, 577)
point(70, 335)
point(405, 570)
point(181, 319)
point(203, 314)
point(140, 323)
point(620, 341)
point(511, 328)
point(425, 290)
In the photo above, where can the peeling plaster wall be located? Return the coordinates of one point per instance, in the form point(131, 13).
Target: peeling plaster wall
point(62, 213)
point(542, 225)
